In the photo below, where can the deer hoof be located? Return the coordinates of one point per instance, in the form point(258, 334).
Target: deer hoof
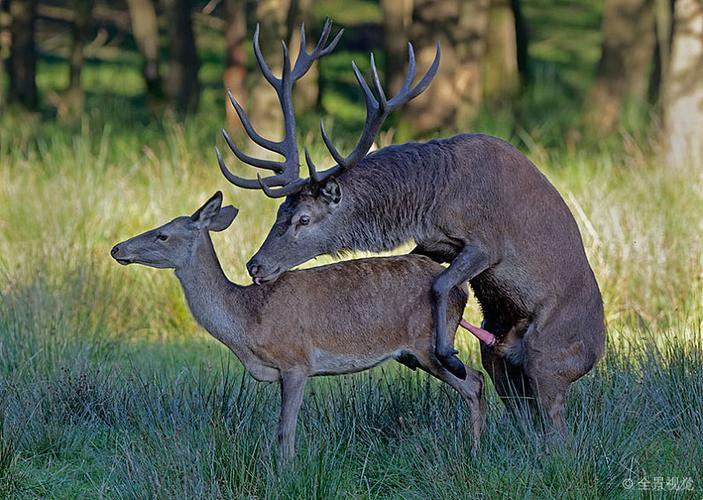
point(452, 363)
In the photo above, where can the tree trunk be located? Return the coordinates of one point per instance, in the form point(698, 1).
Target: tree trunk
point(235, 63)
point(74, 96)
point(626, 55)
point(307, 88)
point(664, 22)
point(397, 18)
point(264, 109)
point(145, 30)
point(683, 88)
point(4, 48)
point(23, 56)
point(454, 98)
point(499, 68)
point(182, 84)
point(522, 39)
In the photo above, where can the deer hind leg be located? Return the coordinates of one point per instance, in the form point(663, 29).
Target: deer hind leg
point(554, 361)
point(511, 383)
point(552, 402)
point(470, 262)
point(470, 389)
point(292, 389)
point(550, 390)
point(551, 373)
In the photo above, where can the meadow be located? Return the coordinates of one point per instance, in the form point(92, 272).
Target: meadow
point(109, 389)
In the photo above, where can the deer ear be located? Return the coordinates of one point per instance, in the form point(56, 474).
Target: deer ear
point(331, 193)
point(205, 214)
point(224, 219)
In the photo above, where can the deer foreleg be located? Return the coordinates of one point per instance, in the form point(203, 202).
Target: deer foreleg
point(292, 388)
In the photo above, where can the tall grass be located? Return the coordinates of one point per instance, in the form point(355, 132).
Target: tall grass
point(107, 388)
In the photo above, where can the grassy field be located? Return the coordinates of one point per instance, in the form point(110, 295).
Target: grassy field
point(108, 388)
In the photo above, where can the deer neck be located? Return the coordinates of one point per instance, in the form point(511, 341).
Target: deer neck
point(223, 308)
point(213, 300)
point(382, 216)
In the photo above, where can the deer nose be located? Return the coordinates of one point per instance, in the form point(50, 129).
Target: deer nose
point(254, 269)
point(115, 250)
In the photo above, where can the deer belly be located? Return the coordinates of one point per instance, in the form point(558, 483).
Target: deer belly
point(335, 363)
point(502, 301)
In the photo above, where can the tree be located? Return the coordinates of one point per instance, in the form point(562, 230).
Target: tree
point(454, 98)
point(664, 23)
point(627, 48)
point(683, 87)
point(74, 97)
point(308, 87)
point(4, 47)
point(145, 30)
point(522, 39)
point(182, 84)
point(397, 18)
point(264, 109)
point(499, 68)
point(235, 61)
point(23, 57)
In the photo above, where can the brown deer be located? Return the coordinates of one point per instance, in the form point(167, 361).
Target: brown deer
point(340, 318)
point(473, 201)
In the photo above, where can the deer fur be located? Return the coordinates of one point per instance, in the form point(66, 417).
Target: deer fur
point(476, 202)
point(473, 201)
point(330, 320)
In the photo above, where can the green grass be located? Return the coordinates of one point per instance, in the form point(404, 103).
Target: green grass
point(108, 388)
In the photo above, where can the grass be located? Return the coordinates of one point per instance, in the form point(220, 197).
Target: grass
point(108, 388)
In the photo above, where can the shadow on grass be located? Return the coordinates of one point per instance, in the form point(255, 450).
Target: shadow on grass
point(87, 412)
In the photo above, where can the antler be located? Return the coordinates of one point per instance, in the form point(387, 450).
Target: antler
point(287, 172)
point(376, 112)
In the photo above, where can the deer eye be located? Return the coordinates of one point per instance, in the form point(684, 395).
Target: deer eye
point(304, 220)
point(161, 237)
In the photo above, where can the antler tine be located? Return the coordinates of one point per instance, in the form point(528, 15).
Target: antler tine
point(237, 181)
point(332, 45)
point(249, 129)
point(303, 40)
point(305, 59)
point(377, 83)
point(372, 105)
point(274, 180)
point(290, 188)
point(427, 79)
point(411, 70)
point(311, 167)
point(276, 166)
point(265, 70)
point(336, 155)
point(326, 30)
point(285, 75)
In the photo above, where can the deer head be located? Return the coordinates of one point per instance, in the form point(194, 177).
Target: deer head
point(314, 206)
point(173, 244)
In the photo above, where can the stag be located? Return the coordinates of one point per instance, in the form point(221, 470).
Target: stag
point(470, 200)
point(341, 318)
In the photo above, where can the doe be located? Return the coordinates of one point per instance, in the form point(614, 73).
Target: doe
point(330, 320)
